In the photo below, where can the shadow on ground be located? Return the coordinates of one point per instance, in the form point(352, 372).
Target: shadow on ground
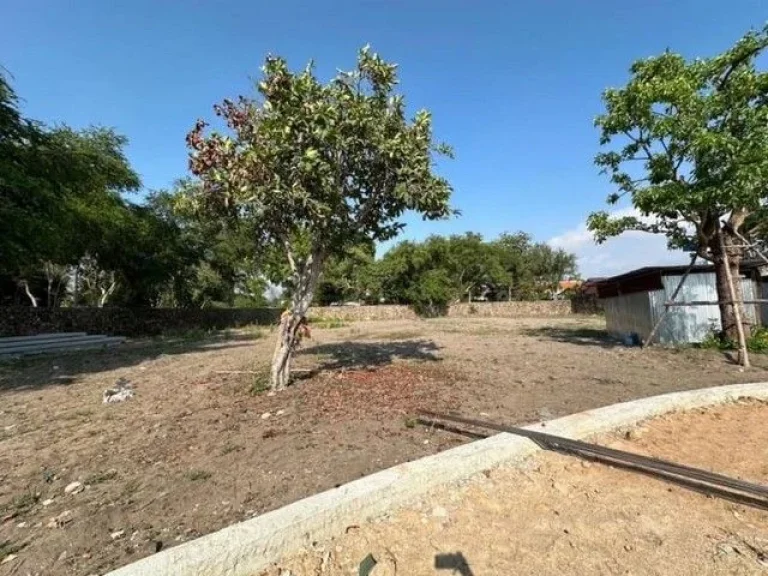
point(62, 368)
point(455, 562)
point(357, 355)
point(576, 335)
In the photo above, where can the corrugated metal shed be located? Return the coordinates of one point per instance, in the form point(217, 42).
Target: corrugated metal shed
point(637, 312)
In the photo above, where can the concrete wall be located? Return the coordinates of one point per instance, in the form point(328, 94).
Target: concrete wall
point(26, 321)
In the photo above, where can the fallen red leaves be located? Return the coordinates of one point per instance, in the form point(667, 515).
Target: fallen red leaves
point(398, 389)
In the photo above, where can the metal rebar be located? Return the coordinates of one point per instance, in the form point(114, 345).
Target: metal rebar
point(601, 452)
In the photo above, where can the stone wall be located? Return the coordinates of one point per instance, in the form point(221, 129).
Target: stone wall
point(351, 313)
point(513, 309)
point(26, 321)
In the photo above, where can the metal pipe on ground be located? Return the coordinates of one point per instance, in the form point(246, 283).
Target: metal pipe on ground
point(710, 482)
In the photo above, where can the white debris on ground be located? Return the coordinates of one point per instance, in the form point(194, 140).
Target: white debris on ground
point(121, 392)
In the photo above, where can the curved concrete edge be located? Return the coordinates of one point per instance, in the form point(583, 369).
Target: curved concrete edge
point(245, 548)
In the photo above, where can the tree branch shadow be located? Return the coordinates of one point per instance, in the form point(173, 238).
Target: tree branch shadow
point(360, 355)
point(62, 368)
point(575, 335)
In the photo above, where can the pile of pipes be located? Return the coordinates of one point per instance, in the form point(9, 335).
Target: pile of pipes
point(45, 343)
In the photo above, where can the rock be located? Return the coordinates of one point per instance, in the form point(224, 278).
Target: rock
point(118, 534)
point(61, 520)
point(21, 525)
point(62, 556)
point(48, 502)
point(8, 558)
point(266, 415)
point(280, 412)
point(73, 488)
point(439, 512)
point(114, 395)
point(585, 464)
point(426, 442)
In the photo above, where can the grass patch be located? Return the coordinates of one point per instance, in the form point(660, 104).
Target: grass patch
point(397, 335)
point(22, 503)
point(757, 342)
point(100, 477)
point(229, 448)
point(259, 382)
point(7, 548)
point(198, 475)
point(327, 323)
point(130, 488)
point(253, 330)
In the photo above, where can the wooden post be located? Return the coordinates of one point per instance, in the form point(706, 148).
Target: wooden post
point(649, 340)
point(743, 355)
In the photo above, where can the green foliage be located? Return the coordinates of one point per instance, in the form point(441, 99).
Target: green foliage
point(59, 188)
point(690, 145)
point(350, 276)
point(259, 382)
point(757, 342)
point(432, 274)
point(314, 169)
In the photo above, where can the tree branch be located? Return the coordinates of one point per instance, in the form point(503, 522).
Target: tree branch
point(738, 62)
point(291, 260)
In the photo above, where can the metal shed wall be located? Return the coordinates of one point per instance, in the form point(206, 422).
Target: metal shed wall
point(629, 314)
point(638, 312)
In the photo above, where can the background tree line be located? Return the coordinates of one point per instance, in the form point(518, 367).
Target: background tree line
point(73, 236)
point(445, 269)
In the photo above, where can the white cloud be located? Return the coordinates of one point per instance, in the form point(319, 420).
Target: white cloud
point(620, 254)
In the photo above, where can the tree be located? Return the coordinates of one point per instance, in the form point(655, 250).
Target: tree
point(692, 154)
point(59, 191)
point(471, 263)
point(532, 270)
point(317, 167)
point(350, 277)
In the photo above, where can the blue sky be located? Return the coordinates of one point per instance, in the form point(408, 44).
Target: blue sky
point(513, 86)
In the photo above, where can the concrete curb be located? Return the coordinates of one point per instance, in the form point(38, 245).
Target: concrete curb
point(245, 548)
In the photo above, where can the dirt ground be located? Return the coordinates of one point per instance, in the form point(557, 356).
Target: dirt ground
point(198, 449)
point(559, 515)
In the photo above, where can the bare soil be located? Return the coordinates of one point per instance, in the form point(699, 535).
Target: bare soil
point(559, 515)
point(199, 448)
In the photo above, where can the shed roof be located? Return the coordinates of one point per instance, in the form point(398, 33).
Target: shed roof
point(649, 278)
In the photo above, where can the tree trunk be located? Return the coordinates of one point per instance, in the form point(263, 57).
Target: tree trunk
point(735, 252)
point(291, 322)
point(27, 291)
point(76, 287)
